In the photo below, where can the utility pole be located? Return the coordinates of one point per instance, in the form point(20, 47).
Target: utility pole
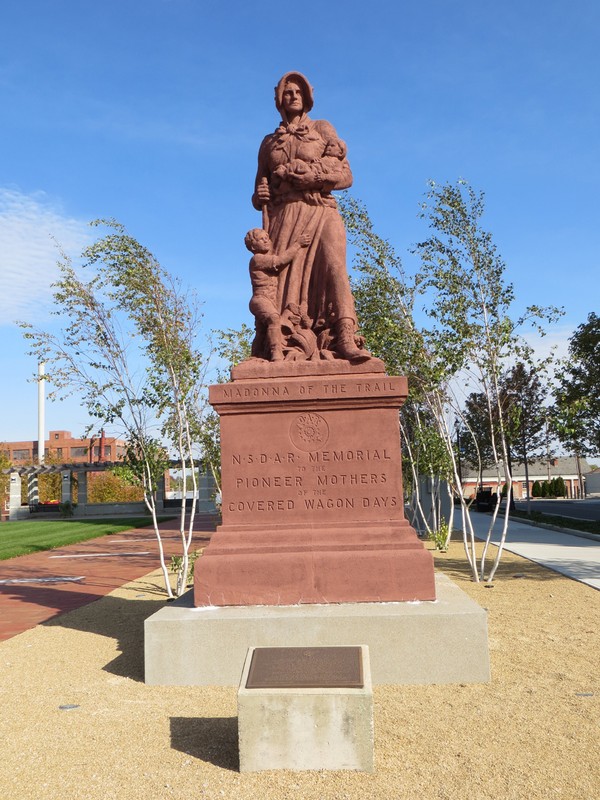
point(526, 465)
point(41, 412)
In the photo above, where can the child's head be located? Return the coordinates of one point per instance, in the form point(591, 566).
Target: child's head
point(257, 240)
point(335, 148)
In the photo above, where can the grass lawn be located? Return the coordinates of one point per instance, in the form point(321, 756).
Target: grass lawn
point(585, 525)
point(21, 538)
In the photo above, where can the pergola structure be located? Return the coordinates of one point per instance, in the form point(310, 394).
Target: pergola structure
point(16, 510)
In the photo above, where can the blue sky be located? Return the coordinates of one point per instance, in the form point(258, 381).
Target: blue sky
point(152, 112)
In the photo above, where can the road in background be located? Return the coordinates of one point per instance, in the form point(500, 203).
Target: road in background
point(578, 509)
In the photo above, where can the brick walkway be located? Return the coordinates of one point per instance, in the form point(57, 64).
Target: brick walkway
point(40, 586)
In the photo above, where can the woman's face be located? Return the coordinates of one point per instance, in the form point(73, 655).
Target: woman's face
point(293, 101)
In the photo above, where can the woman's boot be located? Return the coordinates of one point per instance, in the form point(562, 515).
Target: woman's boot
point(345, 345)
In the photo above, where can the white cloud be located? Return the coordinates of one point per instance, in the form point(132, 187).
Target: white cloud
point(30, 227)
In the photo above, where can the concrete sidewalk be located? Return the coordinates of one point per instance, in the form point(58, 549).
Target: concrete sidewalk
point(573, 556)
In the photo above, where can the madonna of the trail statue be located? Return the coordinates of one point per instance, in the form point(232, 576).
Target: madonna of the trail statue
point(312, 501)
point(313, 316)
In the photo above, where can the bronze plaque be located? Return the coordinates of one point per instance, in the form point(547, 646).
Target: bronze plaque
point(306, 668)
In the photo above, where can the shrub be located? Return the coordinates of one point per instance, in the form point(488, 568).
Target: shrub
point(106, 487)
point(177, 564)
point(67, 508)
point(440, 536)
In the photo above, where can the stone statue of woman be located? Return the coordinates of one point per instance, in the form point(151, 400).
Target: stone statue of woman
point(298, 167)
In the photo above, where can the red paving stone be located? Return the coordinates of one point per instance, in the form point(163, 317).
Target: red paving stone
point(133, 554)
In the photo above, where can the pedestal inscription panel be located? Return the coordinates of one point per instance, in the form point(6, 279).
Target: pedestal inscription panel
point(312, 496)
point(313, 465)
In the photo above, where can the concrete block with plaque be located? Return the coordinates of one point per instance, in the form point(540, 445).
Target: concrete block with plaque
point(305, 708)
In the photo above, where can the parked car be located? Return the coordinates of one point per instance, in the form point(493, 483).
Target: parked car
point(485, 500)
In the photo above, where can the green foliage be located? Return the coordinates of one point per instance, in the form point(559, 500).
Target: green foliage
point(472, 322)
point(428, 453)
point(463, 282)
point(536, 489)
point(588, 526)
point(165, 320)
point(576, 413)
point(384, 298)
point(145, 462)
point(128, 349)
point(49, 485)
point(5, 463)
point(555, 487)
point(470, 337)
point(232, 347)
point(569, 420)
point(383, 294)
point(472, 332)
point(545, 492)
point(522, 396)
point(440, 536)
point(177, 565)
point(177, 483)
point(210, 443)
point(67, 508)
point(108, 487)
point(520, 399)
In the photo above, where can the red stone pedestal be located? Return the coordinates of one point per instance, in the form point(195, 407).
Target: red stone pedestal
point(312, 493)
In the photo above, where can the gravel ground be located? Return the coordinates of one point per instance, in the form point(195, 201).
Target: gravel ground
point(531, 733)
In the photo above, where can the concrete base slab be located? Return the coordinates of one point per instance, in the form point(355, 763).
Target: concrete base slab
point(306, 729)
point(440, 641)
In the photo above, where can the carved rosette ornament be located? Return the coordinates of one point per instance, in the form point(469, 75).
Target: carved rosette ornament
point(309, 432)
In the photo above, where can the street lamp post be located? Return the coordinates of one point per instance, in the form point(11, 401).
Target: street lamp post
point(526, 465)
point(459, 464)
point(514, 394)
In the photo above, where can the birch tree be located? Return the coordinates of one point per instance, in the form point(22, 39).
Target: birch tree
point(126, 345)
point(385, 298)
point(230, 348)
point(472, 324)
point(467, 337)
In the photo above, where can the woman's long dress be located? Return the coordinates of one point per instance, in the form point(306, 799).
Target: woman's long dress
point(314, 290)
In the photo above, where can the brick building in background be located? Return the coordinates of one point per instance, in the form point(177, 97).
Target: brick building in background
point(61, 447)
